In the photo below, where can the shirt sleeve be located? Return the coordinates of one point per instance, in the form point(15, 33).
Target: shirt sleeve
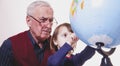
point(80, 58)
point(55, 59)
point(6, 56)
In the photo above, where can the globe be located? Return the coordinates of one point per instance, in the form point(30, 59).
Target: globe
point(96, 21)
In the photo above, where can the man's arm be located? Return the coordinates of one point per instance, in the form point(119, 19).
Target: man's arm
point(6, 56)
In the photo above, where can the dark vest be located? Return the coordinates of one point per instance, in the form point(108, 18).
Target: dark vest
point(23, 51)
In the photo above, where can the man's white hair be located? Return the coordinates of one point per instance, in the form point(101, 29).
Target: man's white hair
point(34, 4)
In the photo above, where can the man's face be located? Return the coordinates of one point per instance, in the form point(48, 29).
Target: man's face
point(40, 22)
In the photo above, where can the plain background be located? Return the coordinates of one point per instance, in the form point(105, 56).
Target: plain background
point(12, 21)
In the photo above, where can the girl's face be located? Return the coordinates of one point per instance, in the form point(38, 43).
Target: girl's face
point(62, 37)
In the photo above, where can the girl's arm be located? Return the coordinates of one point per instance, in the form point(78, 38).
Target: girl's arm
point(80, 58)
point(55, 59)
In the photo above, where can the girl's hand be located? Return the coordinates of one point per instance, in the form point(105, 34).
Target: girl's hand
point(72, 39)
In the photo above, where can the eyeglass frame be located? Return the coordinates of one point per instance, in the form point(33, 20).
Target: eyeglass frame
point(44, 20)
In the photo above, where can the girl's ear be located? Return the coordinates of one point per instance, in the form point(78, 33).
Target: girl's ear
point(55, 42)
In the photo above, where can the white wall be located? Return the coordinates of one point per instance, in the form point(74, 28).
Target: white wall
point(12, 21)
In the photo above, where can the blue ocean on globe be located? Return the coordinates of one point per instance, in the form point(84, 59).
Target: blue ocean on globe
point(96, 21)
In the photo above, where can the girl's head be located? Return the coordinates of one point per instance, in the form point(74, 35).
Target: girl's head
point(60, 36)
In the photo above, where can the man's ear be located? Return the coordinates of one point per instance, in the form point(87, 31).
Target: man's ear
point(28, 21)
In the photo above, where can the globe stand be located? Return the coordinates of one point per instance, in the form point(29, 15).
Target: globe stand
point(105, 60)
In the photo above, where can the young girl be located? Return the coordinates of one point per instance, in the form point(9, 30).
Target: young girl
point(63, 42)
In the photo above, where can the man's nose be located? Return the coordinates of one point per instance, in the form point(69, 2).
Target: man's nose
point(48, 23)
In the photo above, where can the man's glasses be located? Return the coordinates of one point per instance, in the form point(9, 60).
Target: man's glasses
point(44, 20)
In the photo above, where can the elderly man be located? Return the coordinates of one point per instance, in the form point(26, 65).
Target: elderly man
point(31, 47)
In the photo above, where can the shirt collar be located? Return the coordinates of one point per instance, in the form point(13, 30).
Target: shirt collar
point(31, 38)
point(33, 41)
